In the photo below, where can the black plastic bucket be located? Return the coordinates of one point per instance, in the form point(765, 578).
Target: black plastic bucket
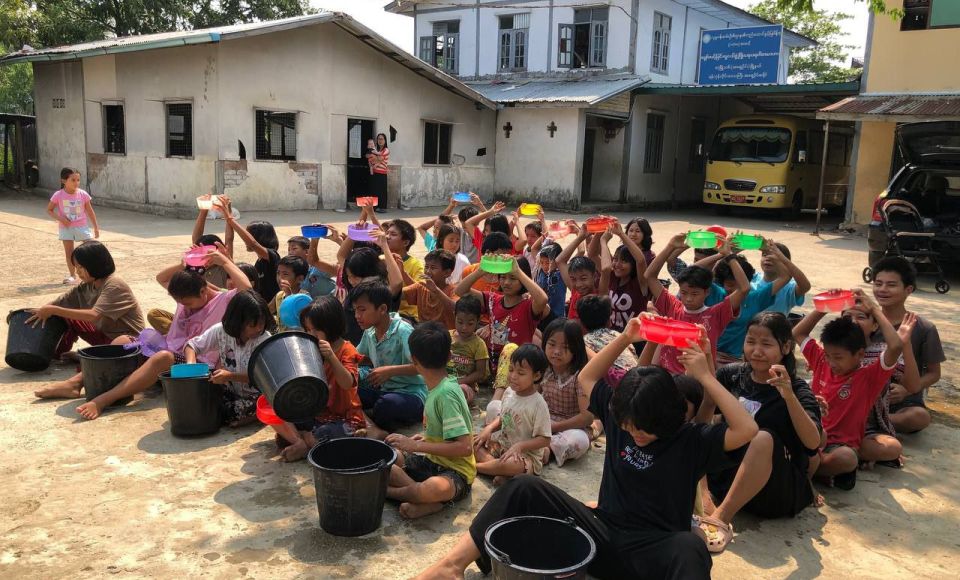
point(288, 370)
point(193, 405)
point(794, 318)
point(31, 349)
point(104, 366)
point(534, 547)
point(350, 475)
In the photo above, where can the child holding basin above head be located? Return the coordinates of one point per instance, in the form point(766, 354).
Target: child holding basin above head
point(231, 342)
point(325, 320)
point(199, 306)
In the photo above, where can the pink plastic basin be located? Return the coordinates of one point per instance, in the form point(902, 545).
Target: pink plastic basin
point(667, 331)
point(197, 257)
point(834, 301)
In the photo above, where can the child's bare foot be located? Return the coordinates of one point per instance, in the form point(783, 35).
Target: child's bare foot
point(89, 410)
point(70, 357)
point(500, 480)
point(375, 432)
point(294, 452)
point(412, 511)
point(442, 570)
point(62, 390)
point(360, 433)
point(546, 455)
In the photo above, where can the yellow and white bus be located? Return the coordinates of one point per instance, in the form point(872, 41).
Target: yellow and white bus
point(774, 162)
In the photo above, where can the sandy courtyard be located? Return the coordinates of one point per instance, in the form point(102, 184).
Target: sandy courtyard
point(122, 496)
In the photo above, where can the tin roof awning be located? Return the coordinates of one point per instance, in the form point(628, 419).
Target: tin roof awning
point(797, 99)
point(895, 108)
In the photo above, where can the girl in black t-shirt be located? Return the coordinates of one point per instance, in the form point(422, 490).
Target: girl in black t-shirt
point(260, 238)
point(652, 463)
point(773, 478)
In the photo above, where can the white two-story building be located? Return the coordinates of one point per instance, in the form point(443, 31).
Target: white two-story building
point(574, 123)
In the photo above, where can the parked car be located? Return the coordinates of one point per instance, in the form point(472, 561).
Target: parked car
point(930, 180)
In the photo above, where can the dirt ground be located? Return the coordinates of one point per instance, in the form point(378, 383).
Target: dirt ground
point(120, 495)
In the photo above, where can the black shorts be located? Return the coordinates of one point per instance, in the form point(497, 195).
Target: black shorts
point(908, 402)
point(420, 469)
point(785, 494)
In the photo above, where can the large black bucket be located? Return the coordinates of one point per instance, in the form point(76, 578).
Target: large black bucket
point(350, 475)
point(193, 405)
point(31, 349)
point(103, 367)
point(288, 370)
point(534, 548)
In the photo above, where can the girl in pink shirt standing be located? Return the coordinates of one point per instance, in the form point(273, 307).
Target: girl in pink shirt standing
point(71, 207)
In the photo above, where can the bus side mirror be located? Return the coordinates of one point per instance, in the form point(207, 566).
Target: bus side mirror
point(801, 156)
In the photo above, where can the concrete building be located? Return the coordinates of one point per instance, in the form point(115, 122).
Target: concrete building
point(904, 80)
point(275, 114)
point(576, 125)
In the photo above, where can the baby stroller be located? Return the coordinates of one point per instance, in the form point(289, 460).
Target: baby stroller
point(906, 238)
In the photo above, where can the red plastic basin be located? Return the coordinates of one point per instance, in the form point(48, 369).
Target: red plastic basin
point(265, 412)
point(662, 330)
point(367, 202)
point(598, 224)
point(834, 301)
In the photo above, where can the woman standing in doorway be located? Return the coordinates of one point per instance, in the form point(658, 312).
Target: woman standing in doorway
point(379, 161)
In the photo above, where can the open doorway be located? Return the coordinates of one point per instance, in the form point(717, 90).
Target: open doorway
point(586, 181)
point(359, 131)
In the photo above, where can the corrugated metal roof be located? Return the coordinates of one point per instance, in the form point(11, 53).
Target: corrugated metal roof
point(218, 34)
point(899, 107)
point(582, 90)
point(851, 87)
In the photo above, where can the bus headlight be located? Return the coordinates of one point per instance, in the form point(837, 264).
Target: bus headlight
point(711, 185)
point(773, 189)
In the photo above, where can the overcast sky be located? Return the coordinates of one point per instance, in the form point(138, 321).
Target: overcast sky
point(399, 29)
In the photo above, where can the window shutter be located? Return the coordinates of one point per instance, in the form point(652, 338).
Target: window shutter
point(427, 44)
point(565, 46)
point(598, 44)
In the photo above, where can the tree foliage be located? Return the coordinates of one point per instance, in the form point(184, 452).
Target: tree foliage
point(875, 6)
point(828, 62)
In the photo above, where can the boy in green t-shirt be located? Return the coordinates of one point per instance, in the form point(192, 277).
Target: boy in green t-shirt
point(447, 467)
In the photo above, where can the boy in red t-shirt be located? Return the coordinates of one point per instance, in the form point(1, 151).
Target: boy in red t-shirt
point(580, 273)
point(848, 388)
point(695, 285)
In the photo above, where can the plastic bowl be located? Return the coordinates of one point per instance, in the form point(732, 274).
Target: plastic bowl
point(360, 233)
point(530, 209)
point(598, 224)
point(669, 332)
point(748, 241)
point(720, 231)
point(558, 230)
point(189, 371)
point(701, 240)
point(496, 264)
point(834, 301)
point(314, 231)
point(461, 197)
point(366, 202)
point(197, 257)
point(265, 412)
point(207, 204)
point(291, 307)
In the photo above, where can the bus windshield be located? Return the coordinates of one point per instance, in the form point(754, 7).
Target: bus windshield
point(751, 145)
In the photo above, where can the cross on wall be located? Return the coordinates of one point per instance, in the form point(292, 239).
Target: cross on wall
point(506, 129)
point(552, 127)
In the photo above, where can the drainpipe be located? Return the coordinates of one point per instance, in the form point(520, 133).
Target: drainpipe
point(550, 37)
point(634, 8)
point(823, 174)
point(676, 156)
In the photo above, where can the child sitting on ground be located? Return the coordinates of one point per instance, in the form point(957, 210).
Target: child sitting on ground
point(400, 238)
point(433, 296)
point(774, 262)
point(391, 391)
point(343, 416)
point(703, 257)
point(594, 318)
point(570, 418)
point(319, 280)
point(625, 279)
point(547, 276)
point(695, 282)
point(232, 341)
point(450, 237)
point(469, 359)
point(447, 467)
point(260, 238)
point(848, 388)
point(430, 229)
point(580, 275)
point(513, 443)
point(529, 246)
point(291, 272)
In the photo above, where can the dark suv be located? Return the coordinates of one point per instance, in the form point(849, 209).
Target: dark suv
point(930, 180)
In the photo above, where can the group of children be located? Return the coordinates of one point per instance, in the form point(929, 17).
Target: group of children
point(407, 342)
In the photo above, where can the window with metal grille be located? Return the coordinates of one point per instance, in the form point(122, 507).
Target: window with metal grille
point(114, 137)
point(513, 42)
point(276, 135)
point(584, 43)
point(436, 143)
point(653, 152)
point(660, 56)
point(930, 14)
point(179, 130)
point(442, 49)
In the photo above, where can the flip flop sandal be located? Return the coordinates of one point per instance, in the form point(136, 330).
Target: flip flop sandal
point(892, 463)
point(718, 534)
point(845, 481)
